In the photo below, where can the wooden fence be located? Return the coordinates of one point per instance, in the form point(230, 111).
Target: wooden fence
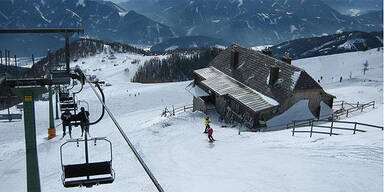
point(340, 125)
point(353, 108)
point(172, 112)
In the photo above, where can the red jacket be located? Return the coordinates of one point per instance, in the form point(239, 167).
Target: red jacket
point(210, 131)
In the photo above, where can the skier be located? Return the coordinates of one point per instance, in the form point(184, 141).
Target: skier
point(83, 117)
point(210, 132)
point(65, 117)
point(207, 121)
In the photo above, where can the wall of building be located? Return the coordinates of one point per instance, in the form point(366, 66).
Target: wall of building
point(199, 105)
point(221, 104)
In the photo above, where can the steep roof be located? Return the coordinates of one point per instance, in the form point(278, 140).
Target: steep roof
point(253, 70)
point(222, 84)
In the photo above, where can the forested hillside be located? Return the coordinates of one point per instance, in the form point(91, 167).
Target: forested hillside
point(177, 67)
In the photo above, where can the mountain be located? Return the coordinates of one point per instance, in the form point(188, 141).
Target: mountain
point(251, 22)
point(355, 7)
point(100, 19)
point(327, 45)
point(189, 42)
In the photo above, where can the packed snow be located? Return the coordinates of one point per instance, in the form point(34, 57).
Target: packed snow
point(178, 153)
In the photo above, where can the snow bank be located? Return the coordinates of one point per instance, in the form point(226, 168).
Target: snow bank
point(298, 111)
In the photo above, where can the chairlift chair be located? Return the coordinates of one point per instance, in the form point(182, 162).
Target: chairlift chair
point(68, 106)
point(87, 174)
point(66, 99)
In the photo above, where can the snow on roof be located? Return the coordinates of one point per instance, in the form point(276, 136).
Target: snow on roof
point(223, 84)
point(295, 76)
point(197, 92)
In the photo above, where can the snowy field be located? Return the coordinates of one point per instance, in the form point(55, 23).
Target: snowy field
point(179, 154)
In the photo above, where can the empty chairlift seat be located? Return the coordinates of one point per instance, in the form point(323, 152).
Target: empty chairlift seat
point(68, 106)
point(88, 170)
point(87, 174)
point(66, 99)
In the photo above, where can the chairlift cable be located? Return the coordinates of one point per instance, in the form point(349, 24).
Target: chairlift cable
point(147, 170)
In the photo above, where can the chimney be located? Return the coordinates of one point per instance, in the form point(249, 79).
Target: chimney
point(267, 51)
point(234, 58)
point(273, 75)
point(286, 58)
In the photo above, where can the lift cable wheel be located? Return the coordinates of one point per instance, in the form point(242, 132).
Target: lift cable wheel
point(147, 170)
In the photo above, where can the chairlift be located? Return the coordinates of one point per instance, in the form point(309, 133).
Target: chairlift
point(89, 173)
point(66, 99)
point(68, 106)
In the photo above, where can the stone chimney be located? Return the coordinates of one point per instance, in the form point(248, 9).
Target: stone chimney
point(267, 51)
point(235, 56)
point(273, 75)
point(286, 58)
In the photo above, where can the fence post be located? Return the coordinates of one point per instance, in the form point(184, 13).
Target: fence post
point(354, 129)
point(362, 107)
point(347, 113)
point(330, 133)
point(342, 104)
point(184, 108)
point(311, 128)
point(373, 106)
point(293, 131)
point(173, 110)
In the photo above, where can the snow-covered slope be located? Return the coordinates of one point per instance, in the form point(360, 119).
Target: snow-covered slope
point(179, 155)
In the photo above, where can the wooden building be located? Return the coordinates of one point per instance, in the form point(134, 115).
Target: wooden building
point(252, 87)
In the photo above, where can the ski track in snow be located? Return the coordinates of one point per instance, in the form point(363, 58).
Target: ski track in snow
point(178, 153)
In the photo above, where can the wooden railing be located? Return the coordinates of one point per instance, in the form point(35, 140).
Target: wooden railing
point(344, 110)
point(320, 124)
point(173, 111)
point(354, 107)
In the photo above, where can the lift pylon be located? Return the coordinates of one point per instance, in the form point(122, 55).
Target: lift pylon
point(28, 96)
